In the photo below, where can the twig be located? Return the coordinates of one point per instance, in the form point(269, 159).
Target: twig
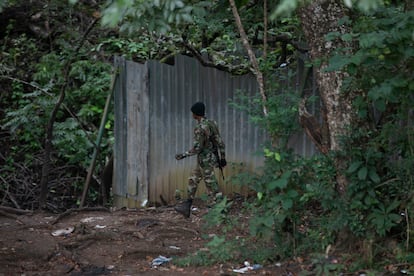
point(12, 199)
point(407, 242)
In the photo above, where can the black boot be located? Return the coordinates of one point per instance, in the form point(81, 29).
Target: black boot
point(184, 208)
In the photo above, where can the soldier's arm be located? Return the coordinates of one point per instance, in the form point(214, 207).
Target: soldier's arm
point(199, 141)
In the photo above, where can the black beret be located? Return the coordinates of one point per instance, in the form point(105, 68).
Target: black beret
point(198, 109)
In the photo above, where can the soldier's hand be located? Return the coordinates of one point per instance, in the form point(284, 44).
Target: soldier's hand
point(223, 162)
point(179, 156)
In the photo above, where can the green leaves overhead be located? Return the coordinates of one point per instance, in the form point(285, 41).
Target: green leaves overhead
point(155, 15)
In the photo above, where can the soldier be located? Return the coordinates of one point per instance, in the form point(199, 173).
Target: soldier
point(209, 148)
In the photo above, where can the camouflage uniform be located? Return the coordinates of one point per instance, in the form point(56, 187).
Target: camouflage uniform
point(206, 137)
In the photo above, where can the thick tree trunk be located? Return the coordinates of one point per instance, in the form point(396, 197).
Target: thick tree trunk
point(319, 18)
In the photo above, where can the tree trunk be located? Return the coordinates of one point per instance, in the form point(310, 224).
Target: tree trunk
point(319, 18)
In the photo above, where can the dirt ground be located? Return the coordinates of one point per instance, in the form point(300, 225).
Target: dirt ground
point(99, 242)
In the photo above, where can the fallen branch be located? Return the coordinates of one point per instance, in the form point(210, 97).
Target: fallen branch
point(15, 211)
point(76, 210)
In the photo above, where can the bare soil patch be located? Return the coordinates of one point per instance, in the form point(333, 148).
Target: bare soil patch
point(120, 242)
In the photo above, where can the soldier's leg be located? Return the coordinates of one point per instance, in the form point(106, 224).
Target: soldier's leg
point(193, 182)
point(184, 208)
point(211, 184)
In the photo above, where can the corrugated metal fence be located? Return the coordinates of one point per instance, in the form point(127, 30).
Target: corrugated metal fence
point(153, 122)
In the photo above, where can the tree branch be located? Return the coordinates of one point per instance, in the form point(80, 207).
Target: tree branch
point(237, 70)
point(255, 65)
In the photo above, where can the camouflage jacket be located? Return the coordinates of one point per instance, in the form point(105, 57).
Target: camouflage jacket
point(208, 144)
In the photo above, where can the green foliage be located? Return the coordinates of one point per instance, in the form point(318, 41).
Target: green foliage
point(141, 50)
point(380, 148)
point(278, 192)
point(218, 250)
point(323, 266)
point(153, 15)
point(384, 44)
point(218, 215)
point(383, 218)
point(33, 75)
point(205, 26)
point(88, 91)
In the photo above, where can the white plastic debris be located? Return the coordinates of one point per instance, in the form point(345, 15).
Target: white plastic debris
point(63, 232)
point(160, 260)
point(91, 219)
point(247, 268)
point(100, 226)
point(241, 270)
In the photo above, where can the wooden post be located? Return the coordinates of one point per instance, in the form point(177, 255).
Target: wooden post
point(98, 141)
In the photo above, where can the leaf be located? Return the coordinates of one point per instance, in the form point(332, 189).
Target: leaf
point(280, 183)
point(332, 36)
point(392, 206)
point(292, 193)
point(394, 217)
point(287, 203)
point(280, 217)
point(346, 37)
point(267, 152)
point(372, 39)
point(358, 58)
point(354, 166)
point(337, 62)
point(362, 173)
point(374, 176)
point(277, 157)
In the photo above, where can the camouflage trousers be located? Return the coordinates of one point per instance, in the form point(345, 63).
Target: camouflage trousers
point(203, 170)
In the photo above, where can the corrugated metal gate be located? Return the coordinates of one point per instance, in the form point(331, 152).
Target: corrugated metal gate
point(153, 122)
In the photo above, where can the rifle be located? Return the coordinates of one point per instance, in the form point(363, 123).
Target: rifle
point(218, 161)
point(215, 151)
